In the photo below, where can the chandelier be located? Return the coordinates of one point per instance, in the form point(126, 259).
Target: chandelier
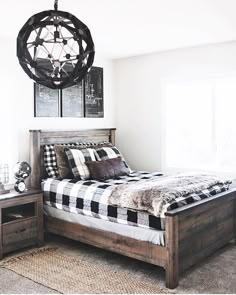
point(55, 48)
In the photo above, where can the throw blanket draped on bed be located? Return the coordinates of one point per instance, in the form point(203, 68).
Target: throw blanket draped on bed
point(153, 195)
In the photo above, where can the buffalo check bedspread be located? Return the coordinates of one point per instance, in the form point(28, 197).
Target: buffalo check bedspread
point(90, 197)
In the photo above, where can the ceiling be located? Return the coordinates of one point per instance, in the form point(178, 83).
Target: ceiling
point(124, 28)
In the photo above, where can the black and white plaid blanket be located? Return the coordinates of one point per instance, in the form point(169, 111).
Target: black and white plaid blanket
point(91, 198)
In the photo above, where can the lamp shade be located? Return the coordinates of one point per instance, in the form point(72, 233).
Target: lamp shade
point(55, 49)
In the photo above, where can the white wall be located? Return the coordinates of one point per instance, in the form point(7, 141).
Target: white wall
point(138, 92)
point(17, 105)
point(132, 98)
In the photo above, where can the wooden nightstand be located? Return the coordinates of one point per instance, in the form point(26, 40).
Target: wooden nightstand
point(21, 220)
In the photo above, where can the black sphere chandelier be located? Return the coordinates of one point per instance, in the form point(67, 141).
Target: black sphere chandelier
point(55, 48)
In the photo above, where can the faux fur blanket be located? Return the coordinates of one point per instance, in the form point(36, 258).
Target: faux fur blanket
point(153, 195)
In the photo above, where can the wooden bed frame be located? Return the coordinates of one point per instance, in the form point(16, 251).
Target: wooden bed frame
point(193, 232)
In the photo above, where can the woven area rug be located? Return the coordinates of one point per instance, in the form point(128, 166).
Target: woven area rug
point(68, 274)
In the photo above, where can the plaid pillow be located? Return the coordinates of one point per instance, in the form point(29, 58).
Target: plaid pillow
point(105, 153)
point(50, 160)
point(77, 159)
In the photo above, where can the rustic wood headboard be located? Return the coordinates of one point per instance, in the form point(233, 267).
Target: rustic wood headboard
point(38, 138)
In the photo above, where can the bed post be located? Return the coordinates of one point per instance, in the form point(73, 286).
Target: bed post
point(172, 252)
point(35, 159)
point(112, 136)
point(235, 220)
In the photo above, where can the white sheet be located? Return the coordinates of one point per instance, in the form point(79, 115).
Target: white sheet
point(156, 237)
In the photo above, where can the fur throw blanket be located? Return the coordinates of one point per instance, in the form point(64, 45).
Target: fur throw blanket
point(153, 195)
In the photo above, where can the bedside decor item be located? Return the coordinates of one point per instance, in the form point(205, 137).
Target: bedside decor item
point(21, 171)
point(20, 186)
point(4, 177)
point(55, 48)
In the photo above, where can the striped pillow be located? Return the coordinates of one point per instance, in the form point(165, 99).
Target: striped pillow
point(105, 153)
point(77, 159)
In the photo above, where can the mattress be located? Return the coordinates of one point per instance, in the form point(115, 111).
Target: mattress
point(91, 198)
point(156, 237)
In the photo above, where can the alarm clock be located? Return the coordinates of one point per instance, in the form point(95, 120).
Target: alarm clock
point(20, 186)
point(21, 171)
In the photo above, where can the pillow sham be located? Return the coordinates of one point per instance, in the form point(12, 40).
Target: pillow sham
point(107, 169)
point(50, 158)
point(77, 159)
point(105, 153)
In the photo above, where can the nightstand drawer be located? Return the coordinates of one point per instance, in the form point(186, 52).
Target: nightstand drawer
point(19, 231)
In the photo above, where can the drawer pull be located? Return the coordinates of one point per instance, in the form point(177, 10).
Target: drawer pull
point(20, 231)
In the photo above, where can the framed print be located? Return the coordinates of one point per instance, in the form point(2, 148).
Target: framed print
point(46, 101)
point(72, 101)
point(94, 93)
point(82, 100)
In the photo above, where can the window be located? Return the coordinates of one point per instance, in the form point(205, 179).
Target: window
point(200, 124)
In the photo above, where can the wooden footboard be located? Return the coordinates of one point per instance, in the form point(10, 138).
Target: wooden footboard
point(195, 231)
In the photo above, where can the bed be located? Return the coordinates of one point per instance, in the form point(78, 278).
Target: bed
point(192, 232)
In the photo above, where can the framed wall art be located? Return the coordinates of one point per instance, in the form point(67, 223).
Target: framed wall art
point(46, 101)
point(72, 101)
point(94, 93)
point(82, 100)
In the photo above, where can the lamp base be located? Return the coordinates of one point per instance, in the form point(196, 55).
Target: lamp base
point(2, 190)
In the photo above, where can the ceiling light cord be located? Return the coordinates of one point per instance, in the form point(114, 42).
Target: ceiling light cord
point(56, 5)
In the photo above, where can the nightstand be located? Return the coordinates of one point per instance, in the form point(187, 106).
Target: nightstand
point(21, 220)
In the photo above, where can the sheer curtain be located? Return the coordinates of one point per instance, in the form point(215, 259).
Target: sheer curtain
point(199, 123)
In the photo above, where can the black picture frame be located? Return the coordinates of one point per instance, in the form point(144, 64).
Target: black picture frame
point(46, 101)
point(72, 101)
point(82, 100)
point(93, 88)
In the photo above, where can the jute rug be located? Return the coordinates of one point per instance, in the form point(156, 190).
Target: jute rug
point(68, 274)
